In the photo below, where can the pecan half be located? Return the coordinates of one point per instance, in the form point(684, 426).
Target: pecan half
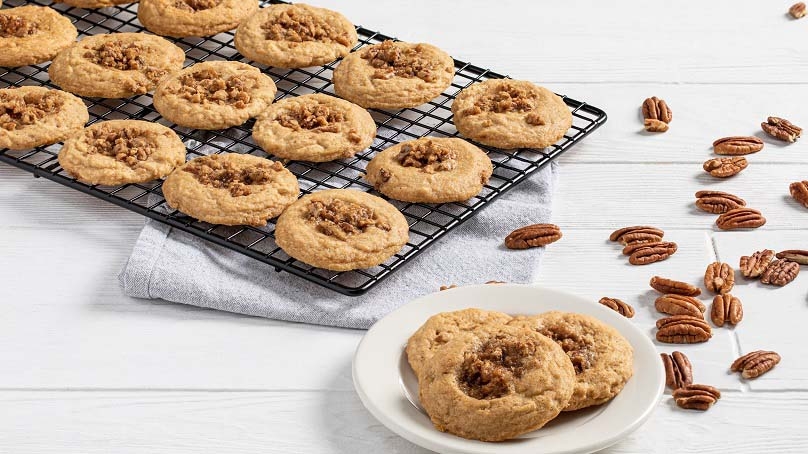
point(797, 10)
point(619, 234)
point(737, 145)
point(667, 286)
point(679, 305)
point(754, 265)
point(799, 190)
point(780, 272)
point(725, 167)
point(782, 129)
point(794, 255)
point(652, 125)
point(696, 397)
point(535, 235)
point(642, 236)
point(678, 370)
point(618, 306)
point(755, 364)
point(717, 202)
point(719, 277)
point(652, 252)
point(447, 287)
point(726, 309)
point(656, 109)
point(683, 329)
point(740, 218)
point(631, 247)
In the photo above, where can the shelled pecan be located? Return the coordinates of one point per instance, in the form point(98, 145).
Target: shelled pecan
point(782, 129)
point(673, 304)
point(717, 202)
point(755, 364)
point(622, 235)
point(799, 190)
point(652, 125)
point(683, 329)
point(754, 265)
point(719, 277)
point(740, 218)
point(619, 306)
point(665, 285)
point(696, 397)
point(678, 370)
point(654, 108)
point(447, 287)
point(737, 145)
point(652, 252)
point(535, 235)
point(780, 272)
point(797, 10)
point(794, 255)
point(725, 167)
point(726, 309)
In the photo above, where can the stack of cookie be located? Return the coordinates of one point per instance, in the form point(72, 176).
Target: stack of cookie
point(488, 376)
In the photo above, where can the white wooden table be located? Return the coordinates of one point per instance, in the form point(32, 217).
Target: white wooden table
point(87, 370)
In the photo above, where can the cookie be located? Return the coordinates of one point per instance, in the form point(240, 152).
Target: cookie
point(186, 18)
point(341, 229)
point(602, 358)
point(492, 386)
point(214, 95)
point(295, 36)
point(430, 170)
point(117, 65)
point(315, 128)
point(117, 152)
point(30, 35)
point(394, 75)
point(35, 116)
point(94, 3)
point(231, 189)
point(443, 327)
point(509, 114)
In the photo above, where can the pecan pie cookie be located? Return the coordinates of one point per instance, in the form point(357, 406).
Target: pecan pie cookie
point(430, 170)
point(231, 189)
point(394, 75)
point(341, 229)
point(214, 95)
point(295, 36)
point(118, 152)
point(94, 3)
point(602, 357)
point(33, 34)
point(35, 116)
point(117, 65)
point(443, 327)
point(496, 385)
point(185, 18)
point(509, 114)
point(315, 128)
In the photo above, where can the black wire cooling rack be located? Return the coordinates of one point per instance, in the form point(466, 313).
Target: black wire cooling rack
point(427, 223)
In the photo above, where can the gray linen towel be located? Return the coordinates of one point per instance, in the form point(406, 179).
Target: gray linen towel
point(172, 265)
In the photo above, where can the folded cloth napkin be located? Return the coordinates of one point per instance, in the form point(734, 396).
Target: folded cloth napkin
point(172, 265)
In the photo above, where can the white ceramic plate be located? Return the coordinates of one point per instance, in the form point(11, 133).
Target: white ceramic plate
point(387, 386)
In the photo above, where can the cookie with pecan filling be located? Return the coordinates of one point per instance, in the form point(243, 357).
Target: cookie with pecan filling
point(341, 229)
point(118, 152)
point(214, 95)
point(430, 170)
point(186, 18)
point(509, 114)
point(117, 65)
point(35, 116)
point(30, 35)
point(315, 128)
point(394, 75)
point(602, 358)
point(295, 36)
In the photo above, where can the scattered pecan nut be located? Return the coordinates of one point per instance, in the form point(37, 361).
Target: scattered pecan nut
point(717, 202)
point(780, 272)
point(725, 167)
point(652, 125)
point(673, 304)
point(678, 370)
point(696, 397)
point(782, 129)
point(654, 108)
point(642, 236)
point(621, 235)
point(618, 306)
point(755, 364)
point(683, 329)
point(726, 309)
point(447, 287)
point(740, 218)
point(719, 277)
point(797, 10)
point(652, 252)
point(794, 255)
point(631, 247)
point(752, 266)
point(737, 145)
point(799, 190)
point(535, 235)
point(667, 286)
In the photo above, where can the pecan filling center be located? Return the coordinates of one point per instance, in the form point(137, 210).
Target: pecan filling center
point(391, 60)
point(18, 111)
point(427, 156)
point(506, 100)
point(208, 86)
point(216, 173)
point(299, 27)
point(489, 372)
point(124, 57)
point(196, 5)
point(341, 219)
point(128, 145)
point(16, 27)
point(575, 346)
point(318, 117)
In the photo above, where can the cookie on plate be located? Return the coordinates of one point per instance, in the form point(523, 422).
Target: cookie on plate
point(33, 34)
point(231, 189)
point(186, 18)
point(94, 3)
point(602, 358)
point(430, 170)
point(295, 36)
point(35, 116)
point(509, 114)
point(394, 75)
point(214, 95)
point(117, 65)
point(341, 229)
point(496, 385)
point(118, 152)
point(443, 327)
point(315, 128)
